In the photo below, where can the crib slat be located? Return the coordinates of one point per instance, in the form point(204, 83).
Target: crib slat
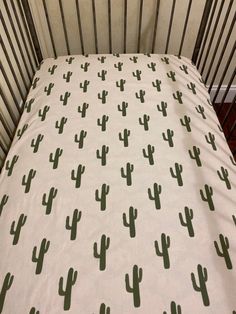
point(185, 26)
point(170, 25)
point(8, 107)
point(226, 91)
point(109, 25)
point(140, 25)
point(6, 127)
point(155, 25)
point(64, 26)
point(227, 115)
point(95, 26)
point(2, 146)
point(49, 28)
point(80, 26)
point(125, 24)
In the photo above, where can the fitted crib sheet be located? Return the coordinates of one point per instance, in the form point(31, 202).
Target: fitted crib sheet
point(118, 193)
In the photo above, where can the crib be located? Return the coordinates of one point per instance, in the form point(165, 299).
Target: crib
point(117, 185)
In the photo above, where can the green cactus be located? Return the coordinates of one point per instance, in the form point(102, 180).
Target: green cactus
point(152, 66)
point(148, 55)
point(157, 85)
point(223, 175)
point(44, 246)
point(65, 98)
point(118, 66)
point(186, 122)
point(102, 155)
point(174, 308)
point(184, 68)
point(66, 293)
point(127, 174)
point(15, 230)
point(208, 196)
point(48, 201)
point(82, 109)
point(210, 138)
point(200, 109)
point(21, 131)
point(84, 85)
point(35, 142)
point(104, 246)
point(28, 180)
point(80, 139)
point(54, 158)
point(102, 122)
point(165, 243)
point(78, 175)
point(28, 104)
point(124, 138)
point(195, 155)
point(104, 309)
point(123, 108)
point(224, 242)
point(137, 74)
point(35, 81)
point(177, 174)
point(149, 153)
point(162, 108)
point(140, 95)
point(103, 96)
point(67, 76)
point(178, 96)
point(7, 283)
point(34, 311)
point(104, 192)
point(169, 137)
point(60, 125)
point(188, 220)
point(133, 214)
point(73, 226)
point(3, 202)
point(52, 69)
point(43, 112)
point(192, 87)
point(135, 290)
point(48, 89)
point(165, 59)
point(120, 84)
point(116, 55)
point(202, 275)
point(134, 59)
point(156, 195)
point(10, 164)
point(171, 75)
point(69, 60)
point(144, 121)
point(102, 75)
point(85, 66)
point(102, 59)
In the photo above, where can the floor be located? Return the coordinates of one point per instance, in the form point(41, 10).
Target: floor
point(228, 125)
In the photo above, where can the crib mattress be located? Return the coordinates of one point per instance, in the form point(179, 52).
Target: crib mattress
point(118, 193)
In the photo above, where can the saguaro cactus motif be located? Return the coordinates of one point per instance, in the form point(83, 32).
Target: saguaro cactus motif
point(48, 89)
point(48, 201)
point(144, 121)
point(174, 308)
point(156, 195)
point(7, 283)
point(186, 122)
point(67, 76)
point(165, 59)
point(35, 142)
point(124, 138)
point(177, 173)
point(171, 75)
point(82, 109)
point(162, 108)
point(165, 244)
point(134, 289)
point(184, 68)
point(85, 66)
point(134, 59)
point(202, 275)
point(178, 96)
point(66, 293)
point(78, 175)
point(208, 196)
point(102, 59)
point(195, 155)
point(102, 154)
point(102, 96)
point(70, 60)
point(52, 69)
point(157, 85)
point(137, 74)
point(121, 84)
point(123, 108)
point(43, 112)
point(65, 98)
point(44, 246)
point(191, 86)
point(35, 81)
point(102, 122)
point(149, 153)
point(16, 228)
point(140, 95)
point(26, 181)
point(188, 220)
point(223, 175)
point(3, 202)
point(80, 139)
point(210, 138)
point(168, 136)
point(200, 109)
point(33, 311)
point(152, 66)
point(54, 158)
point(60, 125)
point(104, 309)
point(84, 86)
point(118, 66)
point(102, 199)
point(224, 242)
point(73, 226)
point(104, 245)
point(127, 174)
point(21, 131)
point(10, 164)
point(28, 105)
point(133, 214)
point(102, 74)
